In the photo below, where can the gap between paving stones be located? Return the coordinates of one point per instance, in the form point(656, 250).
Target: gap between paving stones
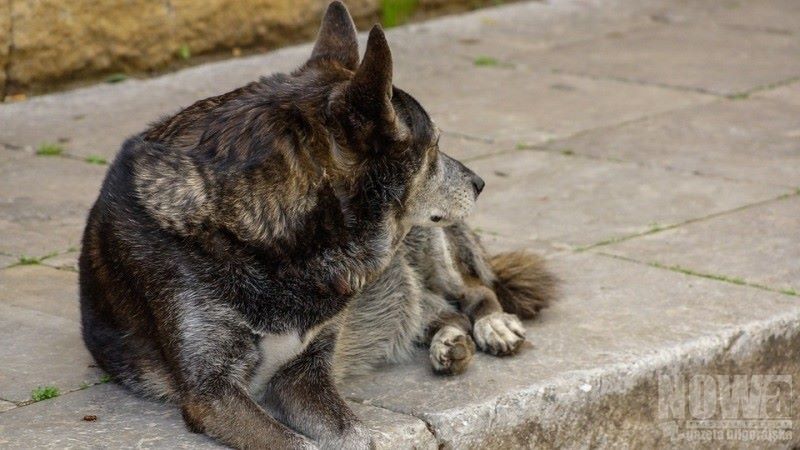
point(37, 260)
point(691, 272)
point(660, 228)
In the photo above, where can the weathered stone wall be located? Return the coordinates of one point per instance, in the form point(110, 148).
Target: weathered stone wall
point(45, 43)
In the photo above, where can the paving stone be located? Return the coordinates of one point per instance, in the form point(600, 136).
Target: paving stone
point(50, 291)
point(456, 41)
point(789, 93)
point(618, 323)
point(40, 349)
point(720, 138)
point(532, 195)
point(44, 202)
point(63, 261)
point(5, 406)
point(758, 245)
point(466, 148)
point(774, 16)
point(125, 421)
point(701, 56)
point(7, 260)
point(391, 430)
point(532, 107)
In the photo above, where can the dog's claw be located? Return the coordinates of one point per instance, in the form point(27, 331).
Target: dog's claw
point(499, 334)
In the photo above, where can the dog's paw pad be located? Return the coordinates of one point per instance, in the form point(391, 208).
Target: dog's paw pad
point(499, 333)
point(451, 350)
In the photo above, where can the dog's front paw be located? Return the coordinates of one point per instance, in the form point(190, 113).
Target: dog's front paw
point(451, 350)
point(499, 333)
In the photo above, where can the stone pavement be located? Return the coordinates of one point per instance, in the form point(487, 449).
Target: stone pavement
point(651, 152)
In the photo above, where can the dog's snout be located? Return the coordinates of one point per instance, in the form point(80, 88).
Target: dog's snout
point(477, 184)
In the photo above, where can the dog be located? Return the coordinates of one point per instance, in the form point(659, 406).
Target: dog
point(236, 247)
point(442, 290)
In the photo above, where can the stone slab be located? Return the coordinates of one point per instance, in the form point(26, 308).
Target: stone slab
point(773, 16)
point(588, 378)
point(757, 245)
point(7, 260)
point(534, 106)
point(456, 41)
point(125, 421)
point(6, 406)
point(44, 289)
point(44, 202)
point(701, 56)
point(789, 93)
point(532, 195)
point(753, 139)
point(63, 261)
point(41, 349)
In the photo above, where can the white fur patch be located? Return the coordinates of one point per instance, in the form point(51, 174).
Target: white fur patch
point(498, 333)
point(276, 350)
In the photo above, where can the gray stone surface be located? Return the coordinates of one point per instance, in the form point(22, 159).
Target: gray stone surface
point(701, 56)
point(7, 260)
point(44, 201)
point(757, 245)
point(549, 196)
point(5, 406)
point(44, 289)
point(789, 93)
point(64, 261)
point(718, 139)
point(617, 326)
point(125, 421)
point(534, 106)
point(41, 349)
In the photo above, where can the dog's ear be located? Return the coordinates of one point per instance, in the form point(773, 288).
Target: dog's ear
point(370, 89)
point(337, 37)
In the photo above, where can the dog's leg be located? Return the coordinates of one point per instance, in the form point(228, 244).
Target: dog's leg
point(231, 416)
point(303, 395)
point(451, 347)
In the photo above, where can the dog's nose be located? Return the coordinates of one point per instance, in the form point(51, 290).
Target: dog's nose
point(477, 184)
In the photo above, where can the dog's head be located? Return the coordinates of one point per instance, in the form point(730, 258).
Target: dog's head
point(381, 126)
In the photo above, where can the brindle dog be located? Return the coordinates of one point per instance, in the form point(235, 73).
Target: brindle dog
point(228, 241)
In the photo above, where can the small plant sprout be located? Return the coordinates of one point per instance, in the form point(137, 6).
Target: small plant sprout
point(94, 159)
point(44, 393)
point(49, 149)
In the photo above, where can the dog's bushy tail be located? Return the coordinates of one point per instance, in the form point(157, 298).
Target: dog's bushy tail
point(524, 285)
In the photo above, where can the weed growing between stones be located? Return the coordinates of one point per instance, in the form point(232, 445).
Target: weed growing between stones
point(49, 149)
point(44, 393)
